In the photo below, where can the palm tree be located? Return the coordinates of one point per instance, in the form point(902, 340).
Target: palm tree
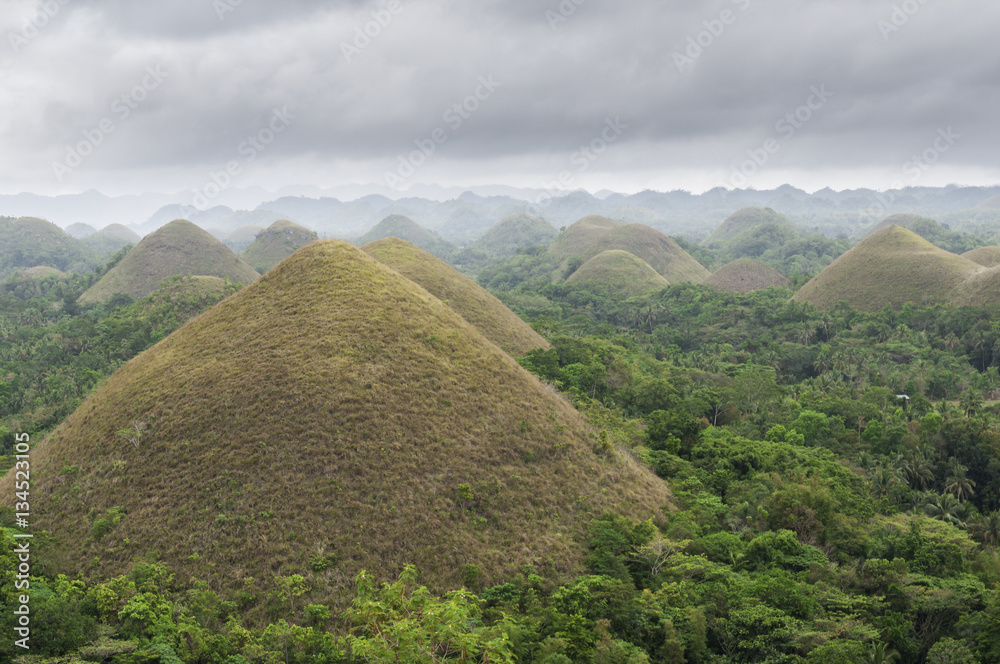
point(916, 470)
point(959, 485)
point(880, 653)
point(944, 508)
point(987, 528)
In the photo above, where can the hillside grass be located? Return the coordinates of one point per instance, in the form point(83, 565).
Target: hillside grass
point(332, 417)
point(618, 274)
point(470, 300)
point(281, 239)
point(580, 236)
point(179, 248)
point(985, 256)
point(890, 267)
point(397, 225)
point(744, 220)
point(517, 231)
point(658, 250)
point(746, 275)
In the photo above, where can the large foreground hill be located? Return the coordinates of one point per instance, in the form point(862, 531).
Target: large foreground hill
point(332, 417)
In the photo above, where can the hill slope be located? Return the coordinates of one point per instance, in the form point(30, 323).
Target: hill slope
point(29, 242)
point(745, 275)
point(662, 253)
point(404, 228)
point(515, 232)
point(580, 236)
point(985, 256)
point(179, 248)
point(282, 239)
point(745, 220)
point(981, 289)
point(891, 266)
point(334, 415)
point(618, 274)
point(470, 300)
point(110, 239)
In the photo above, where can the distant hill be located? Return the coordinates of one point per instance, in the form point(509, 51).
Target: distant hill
point(981, 289)
point(662, 253)
point(745, 275)
point(744, 220)
point(179, 248)
point(333, 416)
point(985, 256)
point(470, 300)
point(517, 231)
point(282, 239)
point(891, 266)
point(41, 272)
point(80, 231)
point(579, 237)
point(618, 274)
point(29, 242)
point(404, 228)
point(241, 238)
point(991, 203)
point(931, 231)
point(110, 239)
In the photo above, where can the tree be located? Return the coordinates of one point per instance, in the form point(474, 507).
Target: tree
point(880, 653)
point(958, 484)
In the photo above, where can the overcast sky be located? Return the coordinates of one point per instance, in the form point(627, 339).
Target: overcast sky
point(126, 96)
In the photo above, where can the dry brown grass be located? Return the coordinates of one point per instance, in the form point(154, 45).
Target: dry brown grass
point(985, 256)
point(576, 239)
point(179, 248)
point(470, 300)
point(658, 250)
point(333, 408)
point(891, 266)
point(745, 275)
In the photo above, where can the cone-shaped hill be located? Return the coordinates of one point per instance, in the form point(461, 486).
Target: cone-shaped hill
point(746, 220)
point(745, 275)
point(241, 238)
point(110, 239)
point(981, 289)
point(404, 228)
point(29, 242)
point(662, 253)
point(985, 256)
point(467, 298)
point(179, 248)
point(891, 266)
point(41, 272)
point(515, 232)
point(576, 239)
point(282, 239)
point(618, 274)
point(332, 415)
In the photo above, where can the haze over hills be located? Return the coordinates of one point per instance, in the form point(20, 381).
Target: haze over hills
point(30, 242)
point(618, 274)
point(746, 219)
point(281, 239)
point(659, 251)
point(580, 236)
point(405, 228)
point(471, 301)
point(339, 399)
point(241, 238)
point(891, 266)
point(110, 239)
point(745, 275)
point(515, 232)
point(179, 248)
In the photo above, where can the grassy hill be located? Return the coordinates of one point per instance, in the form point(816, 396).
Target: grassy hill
point(179, 248)
point(404, 228)
point(515, 232)
point(29, 242)
point(991, 203)
point(80, 230)
point(41, 272)
point(241, 238)
point(985, 256)
point(282, 239)
point(744, 220)
point(618, 274)
point(662, 253)
point(931, 231)
point(981, 289)
point(891, 266)
point(332, 417)
point(110, 239)
point(470, 300)
point(745, 275)
point(576, 239)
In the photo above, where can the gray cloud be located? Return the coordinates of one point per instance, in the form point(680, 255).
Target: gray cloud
point(562, 75)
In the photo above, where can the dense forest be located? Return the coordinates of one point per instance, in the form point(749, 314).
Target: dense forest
point(834, 474)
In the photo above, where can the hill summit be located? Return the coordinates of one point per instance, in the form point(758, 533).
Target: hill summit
point(333, 416)
point(470, 300)
point(745, 275)
point(281, 239)
point(618, 274)
point(515, 232)
point(396, 225)
point(891, 266)
point(179, 248)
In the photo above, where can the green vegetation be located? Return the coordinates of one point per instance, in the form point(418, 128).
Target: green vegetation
point(281, 240)
point(28, 242)
point(469, 300)
point(618, 274)
point(745, 275)
point(892, 266)
point(746, 220)
point(110, 239)
point(518, 231)
point(935, 233)
point(404, 228)
point(179, 248)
